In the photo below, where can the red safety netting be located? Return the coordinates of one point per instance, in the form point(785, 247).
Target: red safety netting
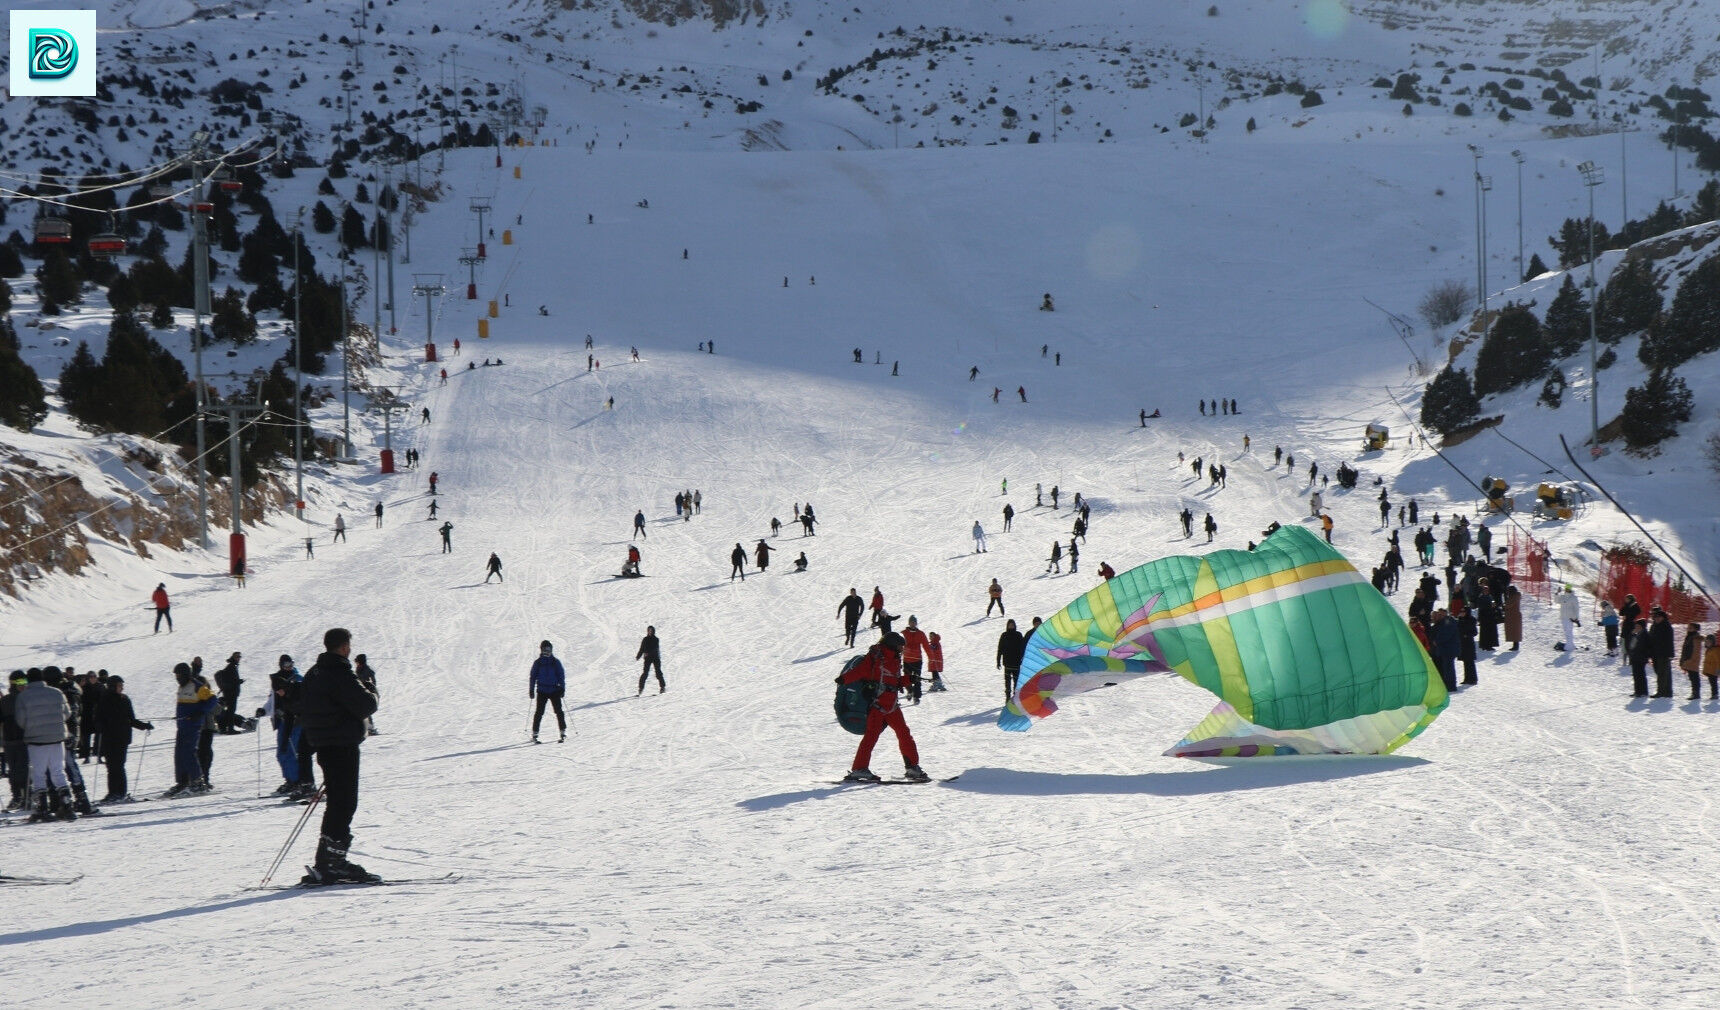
point(1652, 585)
point(1528, 562)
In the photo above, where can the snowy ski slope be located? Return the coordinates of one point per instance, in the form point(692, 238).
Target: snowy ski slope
point(1544, 842)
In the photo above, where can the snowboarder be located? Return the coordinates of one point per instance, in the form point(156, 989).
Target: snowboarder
point(446, 529)
point(761, 555)
point(547, 683)
point(162, 610)
point(1010, 647)
point(850, 608)
point(339, 529)
point(1008, 516)
point(648, 651)
point(978, 538)
point(883, 665)
point(737, 562)
point(995, 594)
point(639, 524)
point(494, 567)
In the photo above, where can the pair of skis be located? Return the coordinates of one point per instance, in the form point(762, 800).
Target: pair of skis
point(28, 881)
point(894, 782)
point(303, 885)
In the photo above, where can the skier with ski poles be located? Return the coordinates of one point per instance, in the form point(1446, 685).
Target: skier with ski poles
point(333, 708)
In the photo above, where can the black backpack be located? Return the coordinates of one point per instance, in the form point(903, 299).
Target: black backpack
point(854, 699)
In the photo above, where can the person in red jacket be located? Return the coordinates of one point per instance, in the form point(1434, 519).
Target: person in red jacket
point(159, 598)
point(935, 661)
point(914, 644)
point(877, 605)
point(883, 664)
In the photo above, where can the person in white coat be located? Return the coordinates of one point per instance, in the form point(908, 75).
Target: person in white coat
point(1568, 617)
point(978, 538)
point(1315, 502)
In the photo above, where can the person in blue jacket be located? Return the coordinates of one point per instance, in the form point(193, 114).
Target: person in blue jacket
point(195, 701)
point(546, 684)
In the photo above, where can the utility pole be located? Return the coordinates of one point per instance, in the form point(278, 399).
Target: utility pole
point(298, 373)
point(1486, 184)
point(1517, 156)
point(236, 539)
point(345, 367)
point(1480, 269)
point(376, 271)
point(394, 194)
point(200, 210)
point(1592, 177)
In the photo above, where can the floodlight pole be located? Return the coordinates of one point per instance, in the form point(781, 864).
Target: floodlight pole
point(298, 374)
point(1592, 177)
point(1480, 275)
point(1517, 156)
point(199, 308)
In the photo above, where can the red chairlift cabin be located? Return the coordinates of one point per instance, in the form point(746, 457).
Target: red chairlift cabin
point(161, 191)
point(223, 176)
point(107, 244)
point(53, 230)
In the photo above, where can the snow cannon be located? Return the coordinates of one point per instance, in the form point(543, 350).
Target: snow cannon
point(1375, 436)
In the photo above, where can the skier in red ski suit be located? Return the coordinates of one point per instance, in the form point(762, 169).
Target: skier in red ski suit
point(883, 664)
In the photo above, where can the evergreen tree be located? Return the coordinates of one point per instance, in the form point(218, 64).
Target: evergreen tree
point(78, 378)
point(1654, 410)
point(1513, 352)
point(161, 317)
point(228, 319)
point(1448, 402)
point(1567, 322)
point(132, 387)
point(322, 219)
point(122, 293)
point(23, 402)
point(1629, 303)
point(352, 230)
point(1693, 325)
point(58, 279)
point(257, 261)
point(1572, 242)
point(11, 264)
point(1535, 268)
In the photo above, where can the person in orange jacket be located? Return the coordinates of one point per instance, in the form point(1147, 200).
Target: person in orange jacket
point(914, 644)
point(935, 661)
point(159, 598)
point(883, 664)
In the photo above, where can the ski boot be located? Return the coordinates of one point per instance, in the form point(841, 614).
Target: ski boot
point(860, 775)
point(68, 805)
point(39, 807)
point(535, 738)
point(914, 774)
point(332, 866)
point(83, 805)
point(563, 737)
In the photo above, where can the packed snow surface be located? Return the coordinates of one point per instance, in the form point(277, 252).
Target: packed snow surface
point(1544, 841)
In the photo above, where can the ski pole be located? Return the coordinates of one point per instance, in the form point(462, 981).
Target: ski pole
point(297, 828)
point(141, 753)
point(259, 733)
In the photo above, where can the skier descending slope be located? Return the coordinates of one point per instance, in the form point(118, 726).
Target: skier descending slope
point(547, 683)
point(882, 664)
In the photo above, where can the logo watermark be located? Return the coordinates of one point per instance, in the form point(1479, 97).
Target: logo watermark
point(53, 53)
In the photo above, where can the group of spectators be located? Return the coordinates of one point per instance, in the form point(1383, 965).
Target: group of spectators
point(1652, 641)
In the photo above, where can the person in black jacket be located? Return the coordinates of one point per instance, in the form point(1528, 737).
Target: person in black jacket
point(1637, 652)
point(1660, 649)
point(333, 707)
point(17, 752)
point(851, 607)
point(228, 681)
point(1010, 646)
point(648, 651)
point(115, 719)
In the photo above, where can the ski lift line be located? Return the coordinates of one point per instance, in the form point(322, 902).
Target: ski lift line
point(1508, 438)
point(141, 177)
point(1640, 528)
point(14, 549)
point(1510, 517)
point(113, 456)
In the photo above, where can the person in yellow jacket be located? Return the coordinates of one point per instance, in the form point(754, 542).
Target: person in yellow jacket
point(1326, 525)
point(195, 701)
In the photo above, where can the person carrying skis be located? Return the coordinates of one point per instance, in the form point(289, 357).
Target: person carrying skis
point(639, 524)
point(995, 592)
point(978, 538)
point(882, 664)
point(935, 661)
point(494, 567)
point(162, 608)
point(850, 608)
point(761, 555)
point(738, 561)
point(913, 652)
point(649, 652)
point(547, 683)
point(333, 708)
point(1011, 645)
point(446, 529)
